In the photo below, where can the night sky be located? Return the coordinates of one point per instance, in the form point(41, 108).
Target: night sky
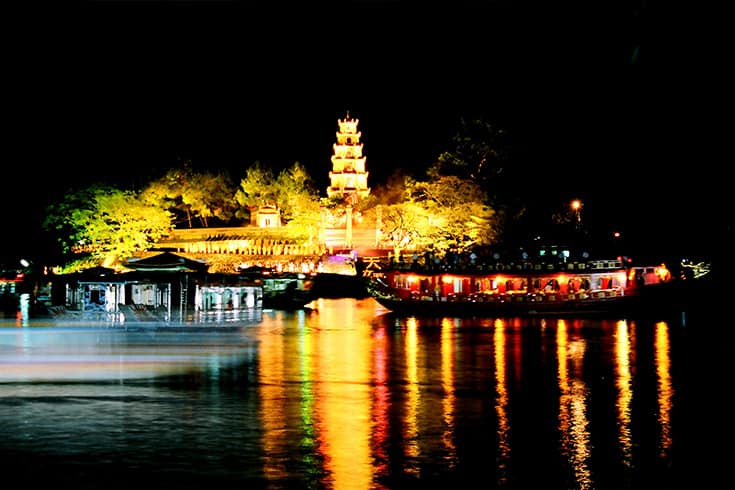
point(620, 104)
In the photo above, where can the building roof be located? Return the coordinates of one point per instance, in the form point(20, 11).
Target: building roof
point(168, 262)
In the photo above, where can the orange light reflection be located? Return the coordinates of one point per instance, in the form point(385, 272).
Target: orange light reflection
point(411, 429)
point(665, 388)
point(573, 423)
point(449, 399)
point(501, 402)
point(625, 392)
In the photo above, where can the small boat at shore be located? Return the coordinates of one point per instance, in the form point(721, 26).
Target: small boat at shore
point(551, 289)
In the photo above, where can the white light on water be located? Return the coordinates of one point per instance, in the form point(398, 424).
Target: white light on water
point(90, 353)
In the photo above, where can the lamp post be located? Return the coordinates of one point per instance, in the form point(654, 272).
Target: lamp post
point(577, 209)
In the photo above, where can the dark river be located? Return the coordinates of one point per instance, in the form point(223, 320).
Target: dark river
point(347, 395)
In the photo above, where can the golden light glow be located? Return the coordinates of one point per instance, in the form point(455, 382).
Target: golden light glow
point(272, 413)
point(343, 403)
point(663, 273)
point(577, 209)
point(448, 400)
point(624, 381)
point(411, 428)
point(381, 400)
point(573, 422)
point(501, 402)
point(620, 278)
point(334, 410)
point(665, 387)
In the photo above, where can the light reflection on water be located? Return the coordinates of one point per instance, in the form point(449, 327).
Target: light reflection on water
point(573, 422)
point(98, 353)
point(345, 395)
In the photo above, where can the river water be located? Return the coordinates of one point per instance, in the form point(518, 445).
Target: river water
point(347, 395)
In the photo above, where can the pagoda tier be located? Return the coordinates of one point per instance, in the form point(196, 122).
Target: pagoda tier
point(348, 177)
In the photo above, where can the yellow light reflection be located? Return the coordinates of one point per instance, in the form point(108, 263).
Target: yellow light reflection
point(381, 401)
point(318, 382)
point(573, 423)
point(343, 403)
point(271, 373)
point(625, 392)
point(501, 402)
point(307, 394)
point(413, 396)
point(449, 399)
point(665, 388)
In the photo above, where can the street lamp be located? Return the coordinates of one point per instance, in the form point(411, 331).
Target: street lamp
point(577, 209)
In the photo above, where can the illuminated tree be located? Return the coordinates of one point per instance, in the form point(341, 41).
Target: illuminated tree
point(209, 196)
point(402, 224)
point(459, 217)
point(58, 216)
point(298, 200)
point(110, 225)
point(193, 195)
point(483, 153)
point(257, 189)
point(405, 225)
point(292, 191)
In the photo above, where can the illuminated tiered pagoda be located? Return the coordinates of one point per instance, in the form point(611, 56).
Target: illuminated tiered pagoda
point(342, 228)
point(348, 177)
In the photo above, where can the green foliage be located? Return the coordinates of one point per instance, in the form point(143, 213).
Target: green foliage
point(190, 195)
point(258, 188)
point(458, 216)
point(297, 197)
point(60, 221)
point(110, 225)
point(405, 225)
point(292, 192)
point(483, 154)
point(79, 264)
point(209, 196)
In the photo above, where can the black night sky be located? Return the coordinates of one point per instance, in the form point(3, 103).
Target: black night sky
point(619, 104)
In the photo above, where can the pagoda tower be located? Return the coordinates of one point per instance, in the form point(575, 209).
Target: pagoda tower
point(348, 177)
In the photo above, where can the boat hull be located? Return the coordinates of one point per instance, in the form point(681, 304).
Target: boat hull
point(527, 305)
point(504, 309)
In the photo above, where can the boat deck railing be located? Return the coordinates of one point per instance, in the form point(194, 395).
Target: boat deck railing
point(520, 297)
point(507, 267)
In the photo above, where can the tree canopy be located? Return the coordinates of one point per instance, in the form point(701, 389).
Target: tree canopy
point(292, 191)
point(190, 195)
point(108, 224)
